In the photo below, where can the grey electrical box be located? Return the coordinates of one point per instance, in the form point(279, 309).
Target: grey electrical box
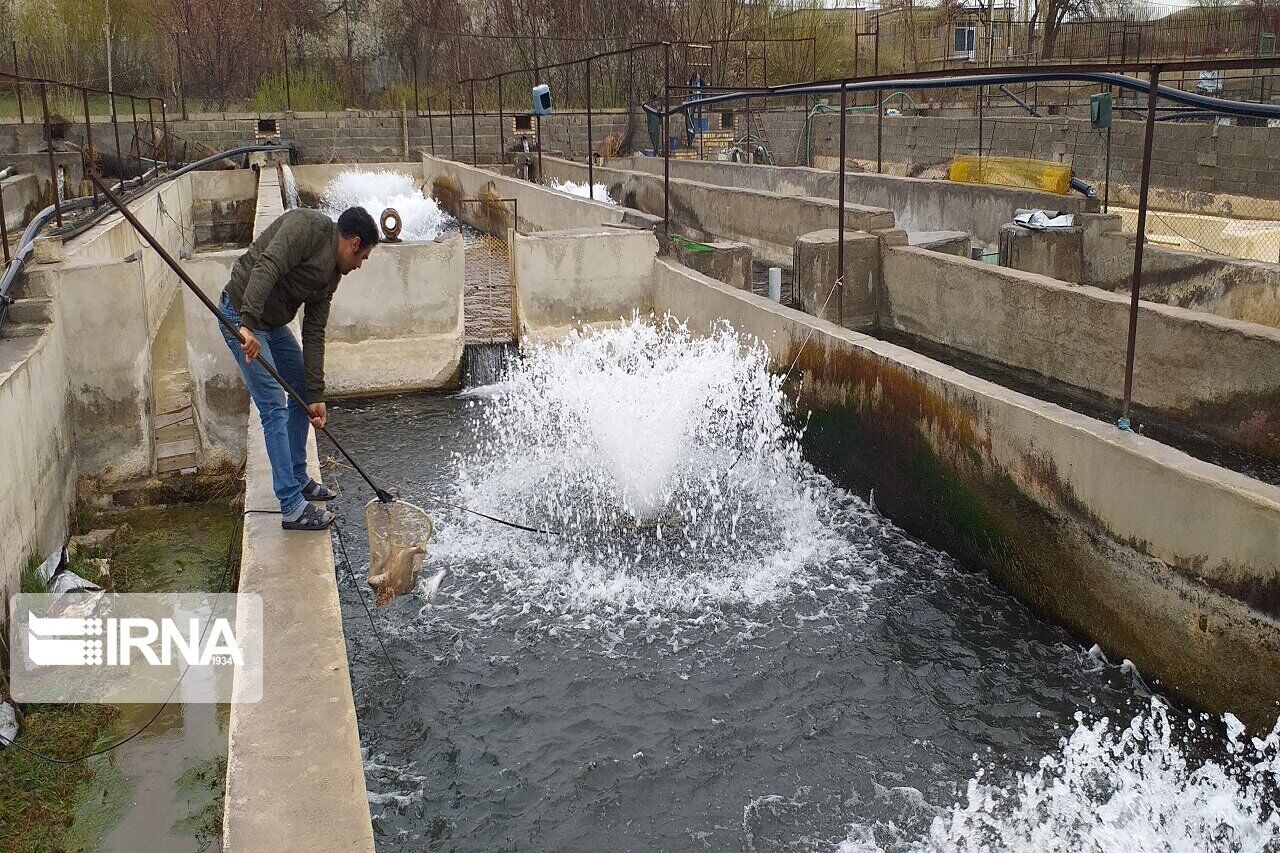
point(1100, 111)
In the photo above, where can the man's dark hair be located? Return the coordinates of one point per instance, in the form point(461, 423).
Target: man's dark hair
point(356, 222)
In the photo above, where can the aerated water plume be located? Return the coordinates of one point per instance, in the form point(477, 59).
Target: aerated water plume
point(623, 443)
point(376, 190)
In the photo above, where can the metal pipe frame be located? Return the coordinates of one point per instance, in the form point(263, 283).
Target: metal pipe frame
point(1139, 244)
point(1092, 73)
point(55, 186)
point(591, 157)
point(844, 121)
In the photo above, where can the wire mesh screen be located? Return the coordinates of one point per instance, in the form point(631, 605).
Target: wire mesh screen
point(487, 303)
point(488, 309)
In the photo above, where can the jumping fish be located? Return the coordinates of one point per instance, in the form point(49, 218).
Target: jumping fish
point(433, 585)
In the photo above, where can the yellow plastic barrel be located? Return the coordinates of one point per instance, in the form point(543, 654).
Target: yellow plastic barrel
point(1011, 172)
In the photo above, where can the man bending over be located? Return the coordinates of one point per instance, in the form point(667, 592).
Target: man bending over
point(297, 261)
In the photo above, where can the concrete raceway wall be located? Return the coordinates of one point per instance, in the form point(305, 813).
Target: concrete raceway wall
point(769, 222)
point(918, 204)
point(82, 373)
point(1158, 557)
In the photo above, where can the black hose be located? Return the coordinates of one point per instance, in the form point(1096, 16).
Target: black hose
point(1221, 106)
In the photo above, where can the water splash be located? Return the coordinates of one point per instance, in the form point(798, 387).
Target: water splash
point(291, 198)
point(1138, 787)
point(667, 465)
point(581, 189)
point(375, 191)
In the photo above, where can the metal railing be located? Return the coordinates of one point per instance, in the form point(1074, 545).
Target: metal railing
point(54, 126)
point(1112, 75)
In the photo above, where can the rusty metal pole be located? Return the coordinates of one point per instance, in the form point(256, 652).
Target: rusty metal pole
point(164, 129)
point(1106, 177)
point(115, 127)
point(1139, 243)
point(182, 80)
point(416, 111)
point(137, 144)
point(431, 126)
point(537, 119)
point(55, 185)
point(288, 84)
point(879, 107)
point(844, 90)
point(591, 157)
point(746, 82)
point(17, 87)
point(502, 127)
point(453, 142)
point(4, 229)
point(151, 129)
point(981, 117)
point(89, 159)
point(475, 148)
point(666, 145)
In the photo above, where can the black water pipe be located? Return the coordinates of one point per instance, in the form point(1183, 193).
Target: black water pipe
point(957, 80)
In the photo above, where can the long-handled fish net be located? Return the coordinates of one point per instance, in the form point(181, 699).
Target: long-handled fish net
point(398, 536)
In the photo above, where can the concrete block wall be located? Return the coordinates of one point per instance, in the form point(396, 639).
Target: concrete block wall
point(727, 261)
point(37, 454)
point(768, 222)
point(1097, 252)
point(360, 136)
point(218, 393)
point(396, 323)
point(1200, 158)
point(539, 208)
point(816, 273)
point(112, 280)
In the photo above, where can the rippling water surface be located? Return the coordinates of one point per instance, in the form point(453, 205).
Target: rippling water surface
point(719, 649)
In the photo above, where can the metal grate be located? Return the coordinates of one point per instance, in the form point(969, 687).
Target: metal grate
point(488, 310)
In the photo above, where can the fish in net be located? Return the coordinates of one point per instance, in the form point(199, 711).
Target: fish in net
point(398, 535)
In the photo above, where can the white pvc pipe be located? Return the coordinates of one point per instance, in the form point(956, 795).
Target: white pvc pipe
point(775, 283)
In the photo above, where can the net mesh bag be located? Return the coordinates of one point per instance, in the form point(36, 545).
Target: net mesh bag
point(398, 535)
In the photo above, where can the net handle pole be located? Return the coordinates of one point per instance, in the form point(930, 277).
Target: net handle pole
point(383, 494)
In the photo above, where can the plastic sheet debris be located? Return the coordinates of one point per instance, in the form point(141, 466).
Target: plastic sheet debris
point(8, 724)
point(1039, 220)
point(58, 578)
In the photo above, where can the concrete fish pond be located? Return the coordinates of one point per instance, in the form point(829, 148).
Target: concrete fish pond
point(722, 548)
point(717, 647)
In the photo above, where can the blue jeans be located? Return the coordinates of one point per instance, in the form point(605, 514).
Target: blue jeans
point(284, 422)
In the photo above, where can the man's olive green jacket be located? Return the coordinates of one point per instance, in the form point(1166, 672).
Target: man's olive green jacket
point(292, 263)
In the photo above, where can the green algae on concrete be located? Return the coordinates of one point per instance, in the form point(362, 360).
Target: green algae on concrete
point(135, 796)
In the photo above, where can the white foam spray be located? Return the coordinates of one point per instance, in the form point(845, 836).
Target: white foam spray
point(666, 465)
point(581, 189)
point(1138, 787)
point(375, 191)
point(291, 198)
